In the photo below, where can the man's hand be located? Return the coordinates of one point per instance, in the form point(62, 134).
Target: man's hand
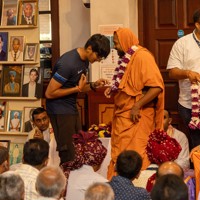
point(38, 134)
point(101, 82)
point(107, 92)
point(194, 77)
point(135, 114)
point(82, 82)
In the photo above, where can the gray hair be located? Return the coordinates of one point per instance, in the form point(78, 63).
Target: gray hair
point(99, 191)
point(11, 186)
point(50, 182)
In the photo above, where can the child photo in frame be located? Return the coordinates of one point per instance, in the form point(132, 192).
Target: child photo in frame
point(30, 51)
point(2, 115)
point(16, 48)
point(32, 86)
point(16, 153)
point(12, 80)
point(28, 122)
point(14, 121)
point(3, 46)
point(9, 12)
point(27, 14)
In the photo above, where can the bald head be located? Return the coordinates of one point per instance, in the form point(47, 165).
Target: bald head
point(50, 182)
point(170, 168)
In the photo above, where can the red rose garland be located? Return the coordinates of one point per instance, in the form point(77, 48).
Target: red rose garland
point(195, 93)
point(119, 70)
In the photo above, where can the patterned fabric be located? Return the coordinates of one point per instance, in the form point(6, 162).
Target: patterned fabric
point(125, 190)
point(161, 147)
point(88, 150)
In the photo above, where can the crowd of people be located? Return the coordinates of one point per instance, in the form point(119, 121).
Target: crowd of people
point(142, 139)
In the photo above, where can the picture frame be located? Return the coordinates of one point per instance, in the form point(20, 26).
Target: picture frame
point(16, 49)
point(32, 76)
point(3, 46)
point(14, 121)
point(3, 115)
point(31, 50)
point(12, 74)
point(16, 153)
point(9, 12)
point(28, 122)
point(5, 143)
point(28, 18)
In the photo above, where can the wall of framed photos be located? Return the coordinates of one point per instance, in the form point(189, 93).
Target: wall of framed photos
point(20, 75)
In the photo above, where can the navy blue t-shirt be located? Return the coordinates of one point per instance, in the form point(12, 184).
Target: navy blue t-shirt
point(67, 71)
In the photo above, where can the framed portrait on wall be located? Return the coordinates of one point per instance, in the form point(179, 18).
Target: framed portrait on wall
point(14, 121)
point(16, 153)
point(28, 12)
point(16, 49)
point(9, 12)
point(32, 82)
point(30, 52)
point(5, 143)
point(12, 79)
point(28, 122)
point(3, 46)
point(3, 115)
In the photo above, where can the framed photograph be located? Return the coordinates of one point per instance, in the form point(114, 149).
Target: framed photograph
point(32, 82)
point(30, 51)
point(5, 143)
point(14, 121)
point(28, 11)
point(16, 49)
point(28, 122)
point(12, 79)
point(3, 46)
point(9, 12)
point(3, 115)
point(16, 153)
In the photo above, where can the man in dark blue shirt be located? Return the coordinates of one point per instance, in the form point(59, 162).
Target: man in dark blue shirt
point(128, 168)
point(69, 78)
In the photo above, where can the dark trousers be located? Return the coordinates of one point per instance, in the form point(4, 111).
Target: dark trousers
point(64, 127)
point(194, 135)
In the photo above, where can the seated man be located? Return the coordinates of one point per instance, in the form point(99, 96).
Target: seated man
point(98, 191)
point(4, 161)
point(11, 186)
point(128, 168)
point(183, 157)
point(43, 130)
point(89, 154)
point(50, 183)
point(169, 187)
point(35, 157)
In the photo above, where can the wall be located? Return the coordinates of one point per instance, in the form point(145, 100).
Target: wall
point(74, 20)
point(77, 23)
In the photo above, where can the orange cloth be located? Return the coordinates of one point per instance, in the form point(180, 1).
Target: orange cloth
point(196, 161)
point(141, 71)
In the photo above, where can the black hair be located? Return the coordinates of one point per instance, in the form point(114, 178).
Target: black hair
point(169, 187)
point(38, 111)
point(99, 44)
point(35, 151)
point(1, 38)
point(129, 164)
point(3, 154)
point(37, 73)
point(196, 16)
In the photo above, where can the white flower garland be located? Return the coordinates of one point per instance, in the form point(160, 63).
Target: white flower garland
point(195, 119)
point(120, 69)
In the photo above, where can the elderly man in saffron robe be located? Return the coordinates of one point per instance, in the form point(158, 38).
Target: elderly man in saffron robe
point(139, 98)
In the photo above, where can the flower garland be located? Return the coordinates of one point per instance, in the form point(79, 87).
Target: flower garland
point(195, 119)
point(103, 130)
point(120, 69)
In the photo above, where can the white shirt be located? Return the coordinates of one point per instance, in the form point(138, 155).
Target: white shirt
point(180, 137)
point(185, 54)
point(19, 56)
point(29, 175)
point(79, 180)
point(48, 135)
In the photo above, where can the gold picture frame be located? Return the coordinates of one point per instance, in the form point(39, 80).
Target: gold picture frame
point(30, 52)
point(28, 12)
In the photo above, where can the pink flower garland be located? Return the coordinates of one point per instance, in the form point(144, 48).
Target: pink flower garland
point(195, 120)
point(120, 70)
